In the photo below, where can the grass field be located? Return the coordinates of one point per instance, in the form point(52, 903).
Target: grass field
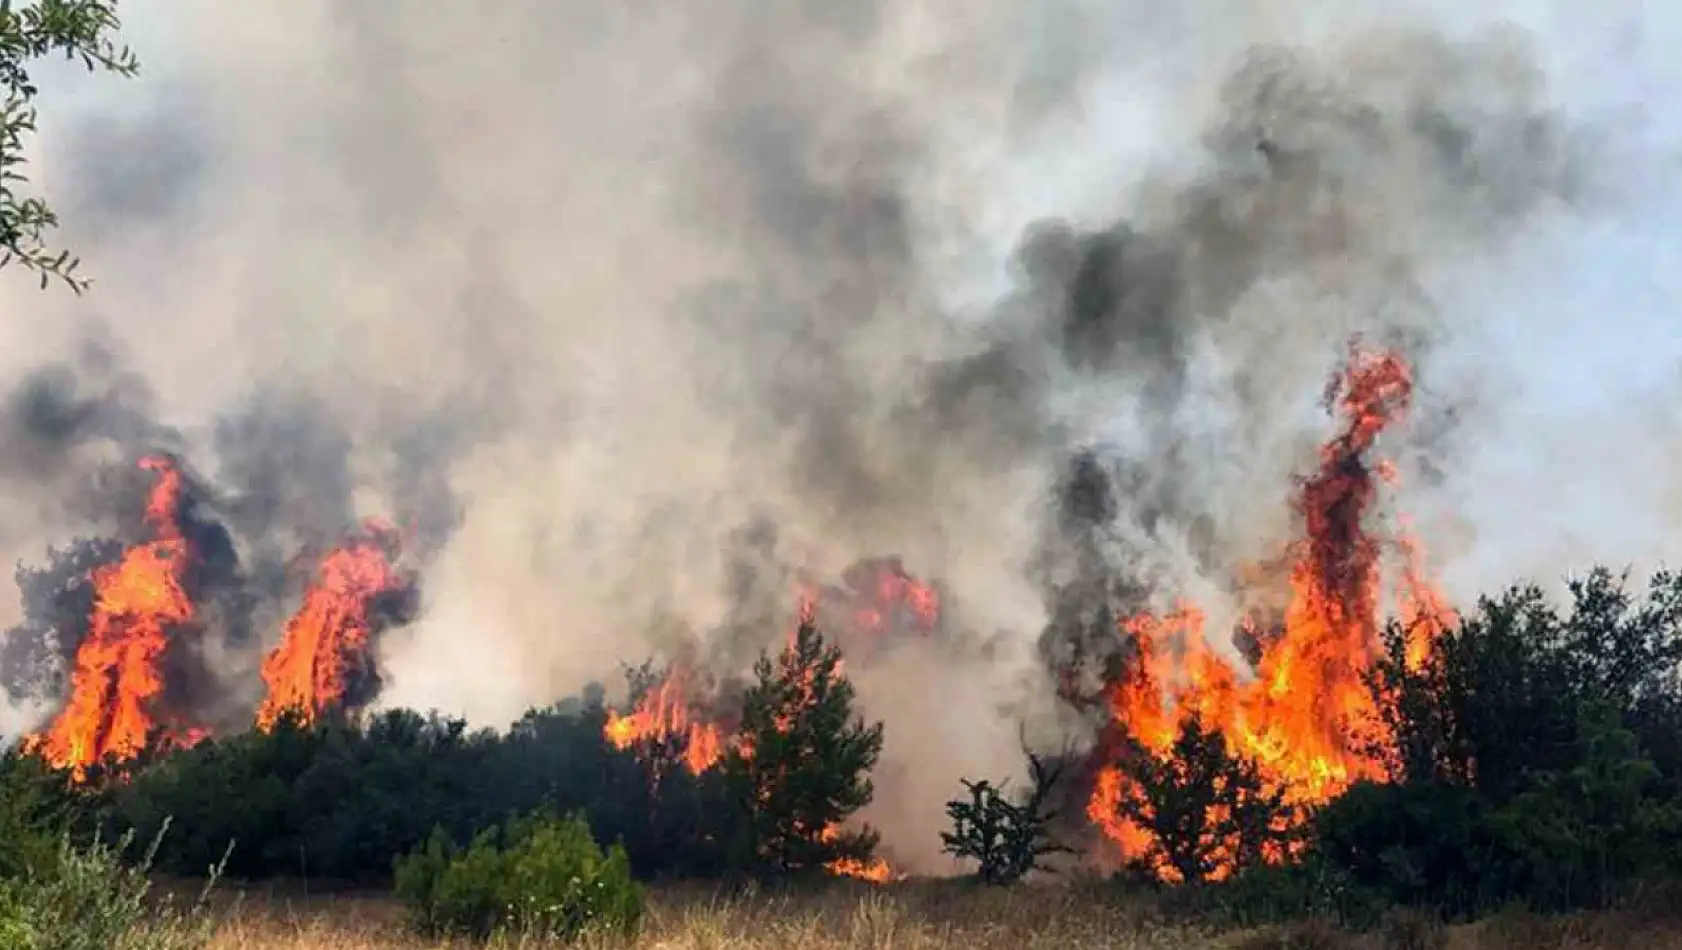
point(927, 917)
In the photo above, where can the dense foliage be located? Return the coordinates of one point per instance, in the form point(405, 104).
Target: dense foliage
point(1536, 759)
point(339, 800)
point(802, 766)
point(534, 876)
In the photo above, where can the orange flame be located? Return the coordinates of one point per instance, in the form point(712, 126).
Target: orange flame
point(118, 677)
point(1308, 694)
point(327, 640)
point(663, 716)
point(880, 592)
point(876, 870)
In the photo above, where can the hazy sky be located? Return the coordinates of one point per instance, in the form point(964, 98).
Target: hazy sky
point(590, 286)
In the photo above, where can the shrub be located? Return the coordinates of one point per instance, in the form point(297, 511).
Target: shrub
point(535, 876)
point(1278, 894)
point(90, 900)
point(1005, 838)
point(35, 811)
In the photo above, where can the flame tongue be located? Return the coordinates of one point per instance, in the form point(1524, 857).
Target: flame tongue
point(326, 645)
point(663, 717)
point(1308, 694)
point(118, 677)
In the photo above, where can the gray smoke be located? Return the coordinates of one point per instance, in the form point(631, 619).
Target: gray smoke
point(634, 315)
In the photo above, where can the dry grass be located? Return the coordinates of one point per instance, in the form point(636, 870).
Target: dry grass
point(930, 917)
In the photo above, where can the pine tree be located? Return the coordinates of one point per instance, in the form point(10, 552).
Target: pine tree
point(802, 765)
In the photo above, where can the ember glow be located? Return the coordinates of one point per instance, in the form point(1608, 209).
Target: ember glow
point(117, 677)
point(1294, 713)
point(326, 648)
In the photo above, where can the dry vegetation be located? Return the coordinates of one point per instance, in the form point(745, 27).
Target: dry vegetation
point(933, 917)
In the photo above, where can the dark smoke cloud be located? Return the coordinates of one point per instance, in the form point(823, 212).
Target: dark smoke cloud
point(57, 599)
point(635, 315)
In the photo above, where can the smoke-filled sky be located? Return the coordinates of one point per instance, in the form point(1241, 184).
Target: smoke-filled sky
point(580, 292)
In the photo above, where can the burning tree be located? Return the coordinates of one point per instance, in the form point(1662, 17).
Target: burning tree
point(801, 765)
point(117, 679)
point(1205, 811)
point(1301, 729)
point(325, 660)
point(662, 725)
point(877, 597)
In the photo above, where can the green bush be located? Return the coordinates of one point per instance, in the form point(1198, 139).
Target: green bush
point(89, 899)
point(1277, 894)
point(534, 877)
point(35, 810)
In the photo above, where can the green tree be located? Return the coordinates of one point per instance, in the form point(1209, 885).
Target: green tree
point(80, 30)
point(802, 767)
point(1585, 834)
point(1534, 754)
point(1007, 839)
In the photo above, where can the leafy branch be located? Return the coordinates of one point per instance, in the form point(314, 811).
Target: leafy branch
point(82, 30)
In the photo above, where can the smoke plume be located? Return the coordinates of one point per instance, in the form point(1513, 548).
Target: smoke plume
point(632, 315)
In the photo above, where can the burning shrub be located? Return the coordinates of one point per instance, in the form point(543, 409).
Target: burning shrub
point(801, 764)
point(1205, 811)
point(534, 876)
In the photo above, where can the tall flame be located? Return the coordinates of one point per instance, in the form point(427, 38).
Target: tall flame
point(1294, 717)
point(662, 717)
point(118, 673)
point(326, 644)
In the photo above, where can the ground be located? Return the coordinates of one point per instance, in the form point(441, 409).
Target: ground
point(931, 916)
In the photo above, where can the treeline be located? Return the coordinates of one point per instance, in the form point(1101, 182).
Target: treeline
point(1535, 758)
point(339, 801)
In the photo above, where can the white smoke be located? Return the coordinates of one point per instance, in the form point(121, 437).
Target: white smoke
point(623, 279)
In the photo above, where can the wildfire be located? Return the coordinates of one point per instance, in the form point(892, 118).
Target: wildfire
point(662, 717)
point(878, 594)
point(326, 645)
point(1307, 696)
point(876, 870)
point(118, 678)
